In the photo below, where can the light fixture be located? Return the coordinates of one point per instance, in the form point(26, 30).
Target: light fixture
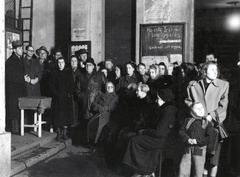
point(233, 20)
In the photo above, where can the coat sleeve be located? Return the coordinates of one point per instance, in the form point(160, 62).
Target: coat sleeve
point(183, 132)
point(205, 140)
point(222, 104)
point(71, 83)
point(78, 89)
point(38, 71)
point(162, 130)
point(189, 100)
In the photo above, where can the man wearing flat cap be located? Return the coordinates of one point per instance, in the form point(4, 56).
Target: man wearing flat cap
point(15, 86)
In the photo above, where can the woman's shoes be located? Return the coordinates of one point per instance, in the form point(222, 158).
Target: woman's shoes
point(151, 175)
point(136, 175)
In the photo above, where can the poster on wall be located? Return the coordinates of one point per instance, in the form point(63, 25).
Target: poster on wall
point(10, 37)
point(78, 34)
point(77, 45)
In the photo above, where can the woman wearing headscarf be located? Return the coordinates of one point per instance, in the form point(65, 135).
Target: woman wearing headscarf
point(61, 84)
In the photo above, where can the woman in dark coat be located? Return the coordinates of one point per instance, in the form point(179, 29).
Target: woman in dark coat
point(102, 107)
point(62, 86)
point(76, 72)
point(142, 150)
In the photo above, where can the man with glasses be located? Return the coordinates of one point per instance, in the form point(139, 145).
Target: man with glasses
point(16, 80)
point(33, 70)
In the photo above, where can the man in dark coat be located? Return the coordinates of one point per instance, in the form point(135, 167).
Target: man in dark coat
point(15, 86)
point(88, 86)
point(34, 70)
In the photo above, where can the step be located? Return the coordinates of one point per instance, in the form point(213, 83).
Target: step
point(21, 144)
point(35, 151)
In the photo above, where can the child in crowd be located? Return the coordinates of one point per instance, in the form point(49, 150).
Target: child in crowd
point(196, 134)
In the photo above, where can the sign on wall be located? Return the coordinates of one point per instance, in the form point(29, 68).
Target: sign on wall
point(77, 45)
point(11, 35)
point(162, 42)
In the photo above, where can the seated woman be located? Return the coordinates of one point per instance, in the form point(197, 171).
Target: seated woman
point(143, 149)
point(102, 107)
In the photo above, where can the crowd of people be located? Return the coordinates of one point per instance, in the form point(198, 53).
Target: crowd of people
point(128, 109)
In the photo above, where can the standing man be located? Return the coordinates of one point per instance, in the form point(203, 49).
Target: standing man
point(211, 57)
point(15, 86)
point(33, 70)
point(42, 58)
point(213, 94)
point(111, 76)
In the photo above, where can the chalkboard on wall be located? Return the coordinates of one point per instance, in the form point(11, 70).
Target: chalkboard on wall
point(161, 39)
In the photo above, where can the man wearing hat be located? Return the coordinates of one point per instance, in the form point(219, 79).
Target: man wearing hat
point(88, 86)
point(42, 54)
point(82, 55)
point(15, 86)
point(42, 58)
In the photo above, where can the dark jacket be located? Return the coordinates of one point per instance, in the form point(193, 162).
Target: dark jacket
point(34, 70)
point(194, 128)
point(15, 85)
point(87, 88)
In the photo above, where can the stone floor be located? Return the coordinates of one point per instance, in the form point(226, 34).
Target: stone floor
point(78, 161)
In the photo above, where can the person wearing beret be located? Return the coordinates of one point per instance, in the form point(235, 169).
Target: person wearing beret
point(143, 149)
point(15, 86)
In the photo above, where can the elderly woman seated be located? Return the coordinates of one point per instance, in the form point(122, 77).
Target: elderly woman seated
point(143, 148)
point(102, 107)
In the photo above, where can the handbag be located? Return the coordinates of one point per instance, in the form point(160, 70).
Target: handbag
point(223, 134)
point(212, 147)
